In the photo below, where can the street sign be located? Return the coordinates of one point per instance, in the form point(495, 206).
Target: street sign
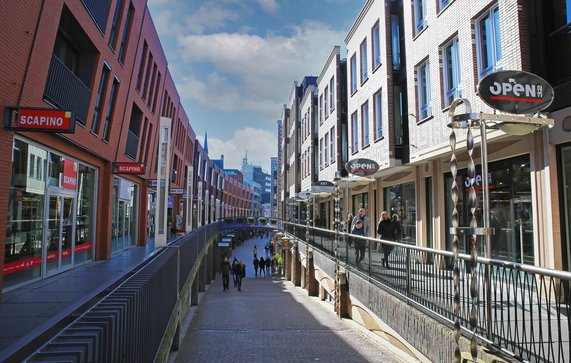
point(515, 92)
point(39, 119)
point(178, 191)
point(362, 167)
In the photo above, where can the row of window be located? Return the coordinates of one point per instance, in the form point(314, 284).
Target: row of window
point(488, 49)
point(327, 101)
point(360, 127)
point(327, 149)
point(419, 13)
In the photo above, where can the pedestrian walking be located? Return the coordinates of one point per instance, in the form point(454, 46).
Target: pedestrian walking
point(262, 266)
point(256, 264)
point(267, 248)
point(386, 231)
point(225, 271)
point(234, 275)
point(360, 244)
point(255, 250)
point(240, 273)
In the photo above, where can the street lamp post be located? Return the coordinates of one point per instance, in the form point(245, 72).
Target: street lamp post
point(511, 124)
point(337, 304)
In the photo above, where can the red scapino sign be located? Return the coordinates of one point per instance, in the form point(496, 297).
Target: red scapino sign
point(129, 168)
point(39, 119)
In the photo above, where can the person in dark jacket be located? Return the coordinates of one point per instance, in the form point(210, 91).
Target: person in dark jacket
point(262, 266)
point(225, 271)
point(234, 275)
point(360, 244)
point(256, 264)
point(385, 230)
point(240, 273)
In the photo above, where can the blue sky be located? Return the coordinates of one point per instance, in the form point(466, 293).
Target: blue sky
point(234, 63)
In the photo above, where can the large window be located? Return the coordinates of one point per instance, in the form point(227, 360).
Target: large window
point(419, 15)
point(364, 67)
point(326, 148)
point(126, 32)
point(365, 123)
point(451, 70)
point(509, 184)
point(325, 102)
point(488, 42)
point(110, 109)
point(332, 94)
point(378, 114)
point(400, 201)
point(395, 41)
point(353, 74)
point(99, 99)
point(376, 45)
point(115, 24)
point(355, 132)
point(133, 135)
point(423, 90)
point(332, 145)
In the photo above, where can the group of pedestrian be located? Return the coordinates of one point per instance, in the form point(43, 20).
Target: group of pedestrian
point(388, 229)
point(238, 269)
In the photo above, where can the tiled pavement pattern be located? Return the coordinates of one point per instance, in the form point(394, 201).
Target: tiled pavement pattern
point(272, 321)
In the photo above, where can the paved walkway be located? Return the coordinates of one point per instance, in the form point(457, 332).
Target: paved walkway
point(270, 320)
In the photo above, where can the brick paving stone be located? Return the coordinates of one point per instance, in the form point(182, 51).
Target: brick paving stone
point(270, 320)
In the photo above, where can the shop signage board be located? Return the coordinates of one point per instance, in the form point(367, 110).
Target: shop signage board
point(322, 186)
point(129, 168)
point(69, 174)
point(515, 92)
point(39, 119)
point(177, 191)
point(362, 167)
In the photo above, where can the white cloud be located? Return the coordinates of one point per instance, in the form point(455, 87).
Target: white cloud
point(254, 72)
point(258, 143)
point(269, 6)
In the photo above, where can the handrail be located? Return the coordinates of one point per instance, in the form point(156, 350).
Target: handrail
point(530, 305)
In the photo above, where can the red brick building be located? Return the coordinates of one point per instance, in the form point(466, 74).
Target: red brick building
point(61, 198)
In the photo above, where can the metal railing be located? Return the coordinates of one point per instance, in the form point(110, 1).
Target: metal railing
point(64, 89)
point(129, 324)
point(529, 305)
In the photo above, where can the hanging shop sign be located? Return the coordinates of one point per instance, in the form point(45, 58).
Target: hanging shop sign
point(322, 186)
point(128, 168)
point(362, 167)
point(515, 92)
point(69, 174)
point(177, 191)
point(39, 119)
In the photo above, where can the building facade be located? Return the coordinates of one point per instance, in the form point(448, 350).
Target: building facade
point(406, 62)
point(75, 197)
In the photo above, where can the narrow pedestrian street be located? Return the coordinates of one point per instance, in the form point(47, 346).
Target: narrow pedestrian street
point(270, 320)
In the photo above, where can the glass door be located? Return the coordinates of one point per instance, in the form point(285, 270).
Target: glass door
point(60, 233)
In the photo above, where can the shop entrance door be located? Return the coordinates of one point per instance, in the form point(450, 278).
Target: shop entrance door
point(59, 232)
point(520, 241)
point(122, 221)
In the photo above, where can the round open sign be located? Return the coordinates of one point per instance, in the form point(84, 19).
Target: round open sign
point(515, 92)
point(362, 167)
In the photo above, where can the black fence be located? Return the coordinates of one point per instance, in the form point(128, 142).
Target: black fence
point(525, 314)
point(129, 324)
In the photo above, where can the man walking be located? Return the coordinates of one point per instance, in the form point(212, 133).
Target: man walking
point(225, 270)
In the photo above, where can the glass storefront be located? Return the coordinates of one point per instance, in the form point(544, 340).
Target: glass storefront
point(124, 218)
point(565, 157)
point(360, 201)
point(400, 200)
point(51, 211)
point(510, 209)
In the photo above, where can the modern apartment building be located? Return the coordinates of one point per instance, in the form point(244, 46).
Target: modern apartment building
point(406, 62)
point(332, 128)
point(68, 198)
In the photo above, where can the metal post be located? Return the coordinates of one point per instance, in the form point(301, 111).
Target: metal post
point(486, 225)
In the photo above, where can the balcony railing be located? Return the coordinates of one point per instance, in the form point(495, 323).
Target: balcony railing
point(528, 307)
point(99, 11)
point(64, 89)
